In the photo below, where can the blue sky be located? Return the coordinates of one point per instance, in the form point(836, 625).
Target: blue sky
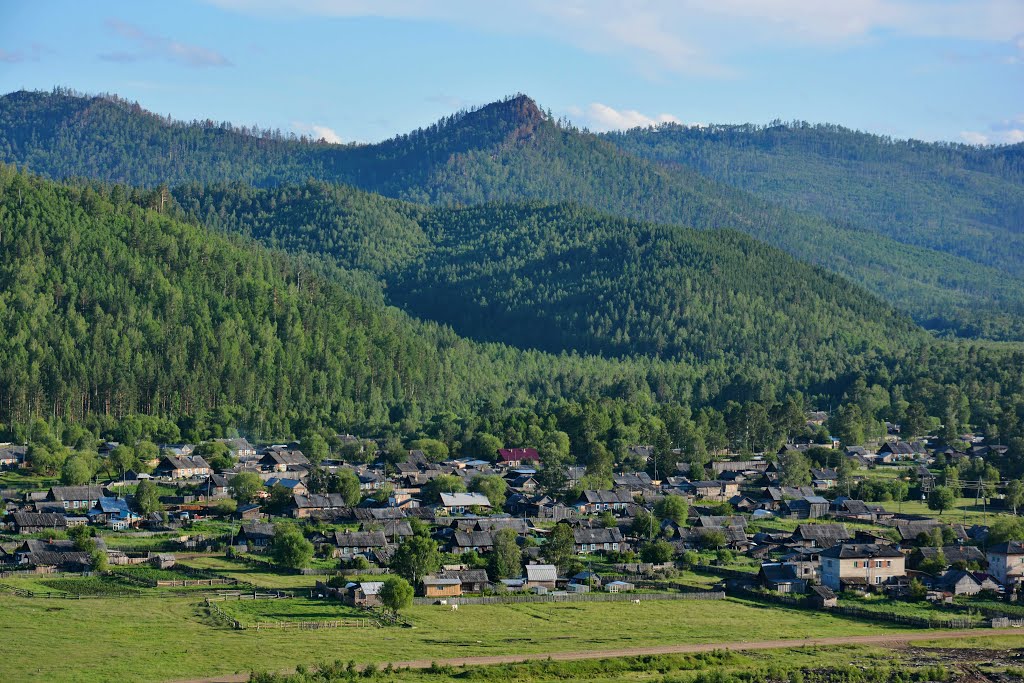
point(365, 70)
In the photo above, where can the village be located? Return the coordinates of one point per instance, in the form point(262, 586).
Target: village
point(474, 531)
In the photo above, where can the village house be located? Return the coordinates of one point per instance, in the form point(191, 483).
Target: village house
point(820, 535)
point(283, 459)
point(592, 502)
point(517, 457)
point(60, 555)
point(113, 512)
point(598, 540)
point(781, 578)
point(863, 565)
point(76, 497)
point(716, 490)
point(182, 467)
point(255, 535)
point(12, 455)
point(960, 582)
point(440, 587)
point(318, 504)
point(478, 541)
point(472, 580)
point(352, 543)
point(240, 448)
point(966, 555)
point(542, 576)
point(36, 522)
point(364, 594)
point(824, 479)
point(1006, 562)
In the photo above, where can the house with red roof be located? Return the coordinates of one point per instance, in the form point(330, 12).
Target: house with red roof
point(517, 457)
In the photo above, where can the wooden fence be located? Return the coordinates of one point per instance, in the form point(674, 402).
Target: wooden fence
point(311, 625)
point(803, 602)
point(1006, 622)
point(573, 597)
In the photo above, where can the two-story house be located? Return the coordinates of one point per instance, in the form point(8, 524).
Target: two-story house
point(861, 565)
point(1006, 562)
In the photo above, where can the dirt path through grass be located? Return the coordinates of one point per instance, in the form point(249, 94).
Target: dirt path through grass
point(893, 640)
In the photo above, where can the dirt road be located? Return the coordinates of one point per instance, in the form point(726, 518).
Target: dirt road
point(888, 640)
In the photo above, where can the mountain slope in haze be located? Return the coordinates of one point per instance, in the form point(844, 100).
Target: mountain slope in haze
point(107, 308)
point(507, 151)
point(956, 199)
point(565, 278)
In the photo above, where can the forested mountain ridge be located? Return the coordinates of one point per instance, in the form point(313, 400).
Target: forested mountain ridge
point(957, 199)
point(566, 278)
point(110, 308)
point(506, 151)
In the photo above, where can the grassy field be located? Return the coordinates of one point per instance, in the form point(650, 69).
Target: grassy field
point(288, 609)
point(258, 576)
point(154, 639)
point(963, 510)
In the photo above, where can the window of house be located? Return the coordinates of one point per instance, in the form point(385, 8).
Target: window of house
point(856, 564)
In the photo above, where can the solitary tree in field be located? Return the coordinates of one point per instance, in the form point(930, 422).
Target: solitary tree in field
point(941, 498)
point(290, 548)
point(396, 594)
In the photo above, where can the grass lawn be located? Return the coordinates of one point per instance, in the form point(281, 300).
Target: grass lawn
point(258, 576)
point(23, 481)
point(288, 609)
point(154, 639)
point(964, 509)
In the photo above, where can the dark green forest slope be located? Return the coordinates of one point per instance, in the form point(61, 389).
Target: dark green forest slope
point(507, 151)
point(107, 307)
point(962, 200)
point(564, 278)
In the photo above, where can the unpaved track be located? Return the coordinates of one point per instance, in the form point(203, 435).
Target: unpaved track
point(888, 640)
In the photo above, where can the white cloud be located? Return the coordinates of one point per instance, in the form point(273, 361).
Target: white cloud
point(317, 132)
point(600, 117)
point(1007, 132)
point(146, 46)
point(695, 37)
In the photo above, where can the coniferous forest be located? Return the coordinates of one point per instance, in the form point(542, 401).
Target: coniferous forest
point(440, 283)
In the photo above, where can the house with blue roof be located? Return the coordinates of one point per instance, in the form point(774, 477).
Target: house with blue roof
point(113, 512)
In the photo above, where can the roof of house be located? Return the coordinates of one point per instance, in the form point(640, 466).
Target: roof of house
point(541, 572)
point(473, 539)
point(88, 492)
point(1008, 548)
point(910, 528)
point(518, 454)
point(598, 535)
point(602, 497)
point(370, 587)
point(722, 521)
point(254, 530)
point(822, 535)
point(852, 551)
point(360, 539)
point(319, 500)
point(464, 500)
point(41, 519)
point(183, 462)
point(441, 581)
point(466, 575)
point(776, 572)
point(953, 553)
point(823, 592)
